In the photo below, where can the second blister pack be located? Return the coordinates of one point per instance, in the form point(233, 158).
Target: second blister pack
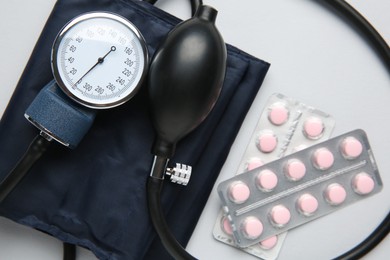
point(335, 173)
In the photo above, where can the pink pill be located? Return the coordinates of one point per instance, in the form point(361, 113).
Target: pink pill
point(252, 227)
point(323, 159)
point(363, 183)
point(269, 243)
point(295, 169)
point(278, 114)
point(307, 204)
point(239, 192)
point(267, 180)
point(253, 164)
point(335, 194)
point(267, 142)
point(313, 128)
point(226, 226)
point(351, 148)
point(280, 215)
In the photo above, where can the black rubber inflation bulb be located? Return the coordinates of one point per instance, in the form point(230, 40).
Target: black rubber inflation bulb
point(185, 78)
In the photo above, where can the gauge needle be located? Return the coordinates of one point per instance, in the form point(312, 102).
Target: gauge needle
point(100, 60)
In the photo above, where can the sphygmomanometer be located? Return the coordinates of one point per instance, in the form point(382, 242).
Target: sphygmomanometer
point(100, 60)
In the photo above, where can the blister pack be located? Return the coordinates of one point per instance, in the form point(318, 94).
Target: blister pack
point(334, 174)
point(285, 125)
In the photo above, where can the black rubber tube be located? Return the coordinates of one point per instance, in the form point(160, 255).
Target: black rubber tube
point(383, 50)
point(365, 27)
point(154, 187)
point(36, 149)
point(69, 251)
point(150, 1)
point(369, 243)
point(194, 4)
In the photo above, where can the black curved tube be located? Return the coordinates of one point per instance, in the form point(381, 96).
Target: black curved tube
point(154, 187)
point(36, 149)
point(194, 4)
point(384, 51)
point(150, 1)
point(369, 243)
point(69, 251)
point(369, 31)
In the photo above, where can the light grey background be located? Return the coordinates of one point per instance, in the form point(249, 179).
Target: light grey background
point(316, 58)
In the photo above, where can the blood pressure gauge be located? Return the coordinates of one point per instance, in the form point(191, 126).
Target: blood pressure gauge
point(99, 60)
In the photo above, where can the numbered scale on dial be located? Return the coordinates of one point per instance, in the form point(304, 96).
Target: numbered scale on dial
point(99, 59)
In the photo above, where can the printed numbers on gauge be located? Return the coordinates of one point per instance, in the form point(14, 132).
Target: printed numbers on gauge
point(99, 60)
point(129, 62)
point(81, 42)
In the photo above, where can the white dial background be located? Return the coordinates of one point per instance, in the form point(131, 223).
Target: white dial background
point(103, 84)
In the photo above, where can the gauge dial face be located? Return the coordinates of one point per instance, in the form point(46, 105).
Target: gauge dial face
point(99, 60)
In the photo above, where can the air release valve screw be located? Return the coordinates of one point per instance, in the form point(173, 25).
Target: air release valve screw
point(180, 174)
